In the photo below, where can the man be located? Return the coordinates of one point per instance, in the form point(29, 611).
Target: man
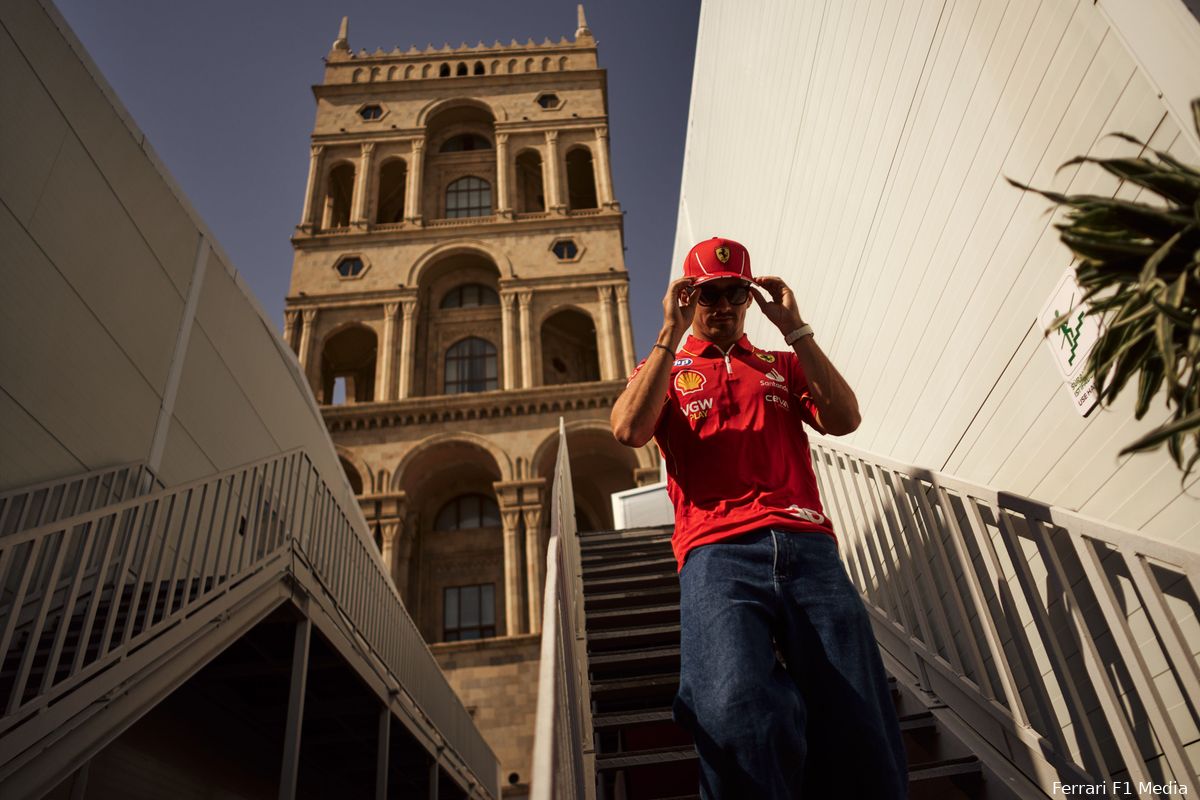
point(781, 681)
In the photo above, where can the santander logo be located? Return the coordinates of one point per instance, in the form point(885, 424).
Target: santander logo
point(807, 514)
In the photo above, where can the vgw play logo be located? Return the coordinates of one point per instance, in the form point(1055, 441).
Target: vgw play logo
point(697, 409)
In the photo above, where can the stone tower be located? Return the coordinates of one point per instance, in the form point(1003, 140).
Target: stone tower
point(458, 285)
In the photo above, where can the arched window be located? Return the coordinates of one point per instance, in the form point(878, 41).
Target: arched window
point(581, 179)
point(479, 69)
point(468, 511)
point(339, 191)
point(393, 179)
point(348, 366)
point(531, 192)
point(462, 70)
point(569, 352)
point(470, 295)
point(463, 142)
point(444, 71)
point(469, 197)
point(471, 366)
point(351, 475)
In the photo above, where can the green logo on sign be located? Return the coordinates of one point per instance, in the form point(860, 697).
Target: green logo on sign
point(1071, 336)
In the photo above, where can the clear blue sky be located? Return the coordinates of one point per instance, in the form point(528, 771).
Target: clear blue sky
point(222, 90)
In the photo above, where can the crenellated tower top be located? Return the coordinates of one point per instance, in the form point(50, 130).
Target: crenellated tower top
point(344, 65)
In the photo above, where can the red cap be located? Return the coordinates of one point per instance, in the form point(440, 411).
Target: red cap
point(717, 258)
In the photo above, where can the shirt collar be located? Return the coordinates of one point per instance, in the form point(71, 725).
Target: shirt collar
point(696, 347)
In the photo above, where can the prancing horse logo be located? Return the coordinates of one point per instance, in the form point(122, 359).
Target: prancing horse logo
point(723, 254)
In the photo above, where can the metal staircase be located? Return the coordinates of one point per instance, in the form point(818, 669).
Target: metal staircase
point(115, 592)
point(631, 602)
point(1029, 648)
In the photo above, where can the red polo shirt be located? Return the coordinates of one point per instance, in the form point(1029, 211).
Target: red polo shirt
point(731, 432)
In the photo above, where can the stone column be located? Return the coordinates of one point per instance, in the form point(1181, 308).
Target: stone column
point(415, 169)
point(402, 555)
point(608, 365)
point(600, 164)
point(550, 173)
point(310, 190)
point(524, 299)
point(289, 328)
point(358, 213)
point(509, 354)
point(510, 519)
point(309, 316)
point(503, 207)
point(385, 389)
point(408, 346)
point(626, 327)
point(535, 557)
point(387, 550)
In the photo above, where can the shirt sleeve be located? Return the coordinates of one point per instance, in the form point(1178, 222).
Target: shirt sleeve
point(636, 370)
point(798, 387)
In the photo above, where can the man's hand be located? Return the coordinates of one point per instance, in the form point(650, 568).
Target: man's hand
point(679, 304)
point(781, 309)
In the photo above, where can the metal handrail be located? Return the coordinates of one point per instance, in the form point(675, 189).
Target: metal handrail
point(42, 503)
point(116, 577)
point(1003, 606)
point(562, 736)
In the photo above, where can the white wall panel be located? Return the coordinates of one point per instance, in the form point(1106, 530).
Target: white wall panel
point(100, 253)
point(860, 150)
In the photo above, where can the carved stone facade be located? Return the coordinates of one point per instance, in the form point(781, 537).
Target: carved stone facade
point(459, 285)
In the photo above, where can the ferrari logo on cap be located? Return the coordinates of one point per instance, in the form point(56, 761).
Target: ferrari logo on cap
point(689, 380)
point(723, 254)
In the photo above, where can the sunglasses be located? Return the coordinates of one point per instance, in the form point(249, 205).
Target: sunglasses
point(736, 295)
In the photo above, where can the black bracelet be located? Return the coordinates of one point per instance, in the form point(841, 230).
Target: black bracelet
point(664, 347)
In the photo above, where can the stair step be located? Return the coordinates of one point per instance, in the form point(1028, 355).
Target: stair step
point(638, 758)
point(642, 581)
point(628, 617)
point(601, 553)
point(918, 721)
point(595, 538)
point(655, 564)
point(930, 770)
point(604, 643)
point(630, 597)
point(641, 684)
point(635, 656)
point(620, 719)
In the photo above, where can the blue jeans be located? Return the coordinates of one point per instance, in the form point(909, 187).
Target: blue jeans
point(823, 725)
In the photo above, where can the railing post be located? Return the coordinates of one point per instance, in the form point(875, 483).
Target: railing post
point(383, 745)
point(289, 770)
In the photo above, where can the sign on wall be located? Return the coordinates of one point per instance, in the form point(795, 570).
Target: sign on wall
point(1071, 340)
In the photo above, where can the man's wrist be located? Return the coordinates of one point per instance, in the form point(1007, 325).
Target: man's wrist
point(670, 337)
point(790, 325)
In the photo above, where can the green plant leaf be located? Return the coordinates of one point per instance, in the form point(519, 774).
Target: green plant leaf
point(1149, 382)
point(1162, 433)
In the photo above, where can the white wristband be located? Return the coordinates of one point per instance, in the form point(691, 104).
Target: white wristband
point(799, 333)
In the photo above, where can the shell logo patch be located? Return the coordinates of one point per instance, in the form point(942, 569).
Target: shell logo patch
point(767, 357)
point(682, 362)
point(689, 380)
point(722, 253)
point(774, 375)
